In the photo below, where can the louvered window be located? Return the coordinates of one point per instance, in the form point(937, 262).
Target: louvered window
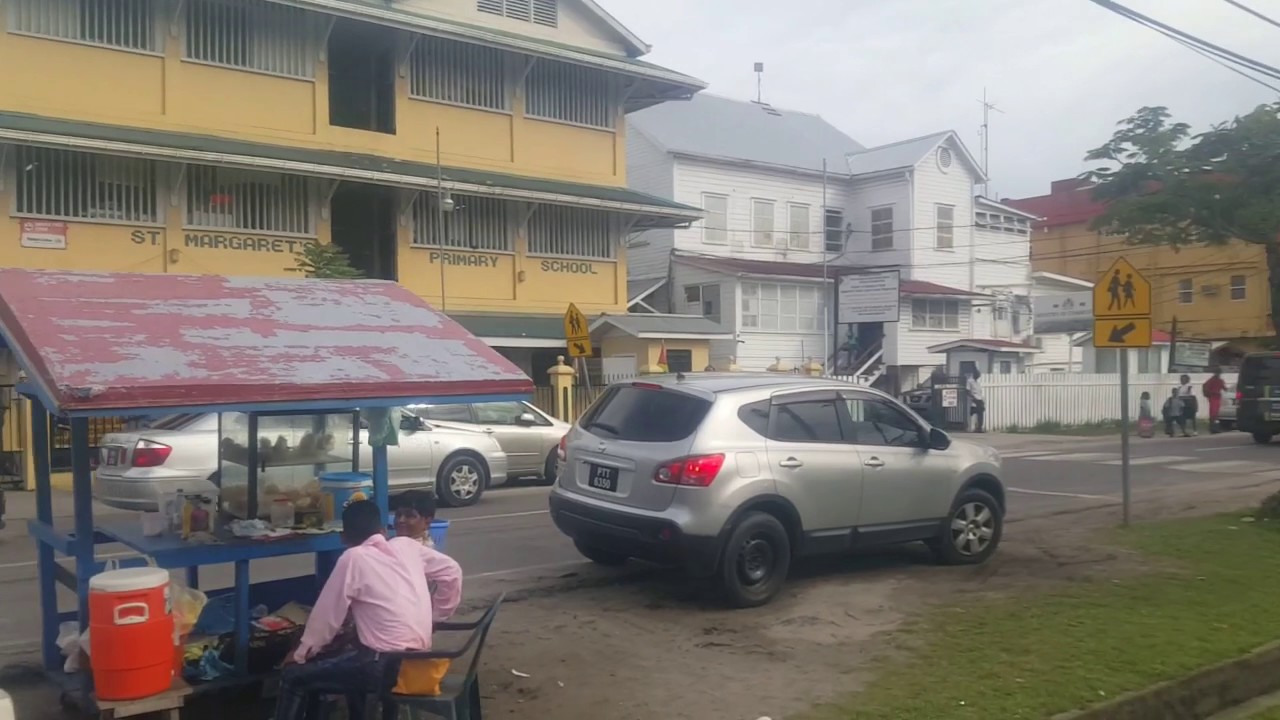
point(250, 34)
point(539, 12)
point(570, 93)
point(83, 186)
point(476, 223)
point(249, 200)
point(573, 232)
point(460, 73)
point(128, 24)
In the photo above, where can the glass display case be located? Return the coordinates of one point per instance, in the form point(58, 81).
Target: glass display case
point(263, 457)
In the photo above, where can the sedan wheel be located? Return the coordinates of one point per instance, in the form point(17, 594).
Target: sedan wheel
point(461, 482)
point(973, 531)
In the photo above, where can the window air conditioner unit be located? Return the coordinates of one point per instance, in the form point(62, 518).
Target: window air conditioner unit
point(1209, 290)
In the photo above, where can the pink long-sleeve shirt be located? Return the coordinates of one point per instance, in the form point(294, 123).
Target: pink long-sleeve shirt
point(383, 584)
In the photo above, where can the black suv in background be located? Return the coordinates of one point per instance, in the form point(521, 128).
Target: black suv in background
point(1258, 396)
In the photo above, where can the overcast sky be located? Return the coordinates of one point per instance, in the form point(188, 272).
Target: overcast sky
point(1063, 71)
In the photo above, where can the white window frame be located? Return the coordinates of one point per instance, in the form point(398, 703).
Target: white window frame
point(49, 19)
point(1186, 291)
point(827, 229)
point(798, 219)
point(571, 232)
point(715, 226)
point(571, 94)
point(925, 310)
point(75, 192)
point(762, 236)
point(539, 12)
point(296, 221)
point(878, 233)
point(1242, 287)
point(476, 224)
point(699, 306)
point(944, 231)
point(781, 307)
point(278, 39)
point(464, 74)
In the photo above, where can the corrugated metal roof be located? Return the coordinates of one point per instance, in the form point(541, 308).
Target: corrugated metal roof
point(121, 341)
point(894, 156)
point(641, 324)
point(717, 127)
point(808, 271)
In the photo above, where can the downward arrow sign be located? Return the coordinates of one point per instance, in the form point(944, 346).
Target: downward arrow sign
point(1119, 332)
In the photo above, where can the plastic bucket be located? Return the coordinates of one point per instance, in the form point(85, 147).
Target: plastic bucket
point(340, 489)
point(131, 633)
point(439, 531)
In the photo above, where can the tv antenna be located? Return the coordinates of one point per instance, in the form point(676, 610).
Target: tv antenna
point(985, 134)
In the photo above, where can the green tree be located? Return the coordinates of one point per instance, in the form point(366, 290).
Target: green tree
point(325, 261)
point(1164, 186)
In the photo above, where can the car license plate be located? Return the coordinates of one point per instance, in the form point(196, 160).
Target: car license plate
point(603, 478)
point(113, 455)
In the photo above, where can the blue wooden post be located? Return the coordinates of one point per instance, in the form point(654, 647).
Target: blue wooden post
point(46, 560)
point(380, 491)
point(82, 498)
point(242, 617)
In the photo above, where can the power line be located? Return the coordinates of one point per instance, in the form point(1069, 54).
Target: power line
point(1251, 11)
point(1223, 63)
point(1174, 33)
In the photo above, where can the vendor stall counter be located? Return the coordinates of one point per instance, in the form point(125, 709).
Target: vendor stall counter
point(289, 365)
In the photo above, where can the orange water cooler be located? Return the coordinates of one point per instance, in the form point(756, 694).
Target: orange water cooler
point(131, 641)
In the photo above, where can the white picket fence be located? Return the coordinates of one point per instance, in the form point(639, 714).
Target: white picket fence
point(1075, 398)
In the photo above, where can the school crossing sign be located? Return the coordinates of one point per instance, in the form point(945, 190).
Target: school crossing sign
point(1122, 308)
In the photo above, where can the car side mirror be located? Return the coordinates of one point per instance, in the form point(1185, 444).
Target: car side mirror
point(526, 419)
point(938, 440)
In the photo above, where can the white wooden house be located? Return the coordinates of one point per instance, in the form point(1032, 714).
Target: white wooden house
point(789, 201)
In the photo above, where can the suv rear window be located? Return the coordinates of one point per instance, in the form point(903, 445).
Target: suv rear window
point(1260, 370)
point(645, 415)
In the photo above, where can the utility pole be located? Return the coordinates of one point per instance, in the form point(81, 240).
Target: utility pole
point(827, 300)
point(985, 135)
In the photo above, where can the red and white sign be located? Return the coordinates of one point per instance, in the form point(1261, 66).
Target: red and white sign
point(44, 234)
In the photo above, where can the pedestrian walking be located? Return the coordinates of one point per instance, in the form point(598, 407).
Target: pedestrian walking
point(977, 405)
point(1213, 389)
point(1190, 404)
point(1172, 412)
point(1146, 420)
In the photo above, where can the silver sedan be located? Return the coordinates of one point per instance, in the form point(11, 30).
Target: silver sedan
point(180, 452)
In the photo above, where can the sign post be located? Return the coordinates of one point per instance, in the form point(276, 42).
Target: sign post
point(1122, 320)
point(577, 332)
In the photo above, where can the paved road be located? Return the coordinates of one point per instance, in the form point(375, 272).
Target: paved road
point(509, 535)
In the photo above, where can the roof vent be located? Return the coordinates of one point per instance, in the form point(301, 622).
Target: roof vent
point(769, 109)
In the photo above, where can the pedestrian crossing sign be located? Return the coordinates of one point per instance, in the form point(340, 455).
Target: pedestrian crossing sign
point(577, 332)
point(1122, 292)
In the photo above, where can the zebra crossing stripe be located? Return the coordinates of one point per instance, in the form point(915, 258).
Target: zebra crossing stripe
point(1151, 460)
point(1025, 453)
point(1240, 466)
point(1080, 457)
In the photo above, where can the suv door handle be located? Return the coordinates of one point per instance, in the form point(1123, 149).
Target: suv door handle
point(791, 463)
point(873, 462)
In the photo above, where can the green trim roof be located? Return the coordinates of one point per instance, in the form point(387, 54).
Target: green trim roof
point(206, 143)
point(490, 325)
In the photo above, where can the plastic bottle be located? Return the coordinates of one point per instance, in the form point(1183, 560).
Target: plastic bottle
point(200, 516)
point(173, 510)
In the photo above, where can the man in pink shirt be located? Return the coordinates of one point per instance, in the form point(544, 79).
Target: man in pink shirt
point(382, 585)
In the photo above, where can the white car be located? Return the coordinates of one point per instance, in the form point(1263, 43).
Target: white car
point(180, 452)
point(530, 437)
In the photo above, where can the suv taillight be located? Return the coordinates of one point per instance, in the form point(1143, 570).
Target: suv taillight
point(563, 452)
point(150, 454)
point(696, 471)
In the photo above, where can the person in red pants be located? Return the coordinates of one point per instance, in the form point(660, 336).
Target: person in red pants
point(1213, 389)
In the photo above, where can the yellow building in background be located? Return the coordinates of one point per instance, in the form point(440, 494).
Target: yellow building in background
point(223, 136)
point(1215, 292)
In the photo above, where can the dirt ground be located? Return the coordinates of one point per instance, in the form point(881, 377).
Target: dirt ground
point(656, 648)
point(653, 646)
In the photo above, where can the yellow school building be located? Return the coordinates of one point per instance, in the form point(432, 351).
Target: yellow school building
point(472, 150)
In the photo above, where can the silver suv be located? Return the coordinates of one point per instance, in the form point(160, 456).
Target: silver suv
point(733, 475)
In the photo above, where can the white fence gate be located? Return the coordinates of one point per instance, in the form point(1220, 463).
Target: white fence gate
point(1076, 398)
